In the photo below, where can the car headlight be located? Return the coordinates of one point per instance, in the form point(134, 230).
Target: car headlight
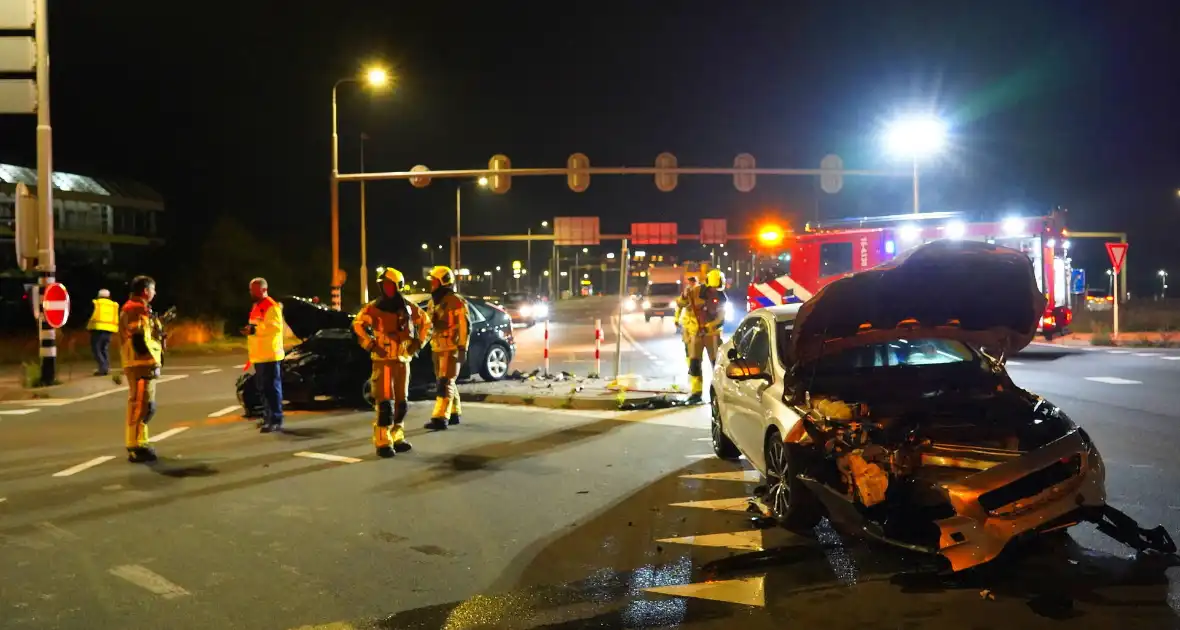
point(541, 310)
point(647, 304)
point(628, 304)
point(526, 310)
point(672, 304)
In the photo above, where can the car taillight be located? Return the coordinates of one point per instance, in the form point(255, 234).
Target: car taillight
point(1048, 321)
point(1067, 314)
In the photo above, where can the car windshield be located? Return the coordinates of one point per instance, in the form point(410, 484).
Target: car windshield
point(663, 288)
point(514, 298)
point(899, 353)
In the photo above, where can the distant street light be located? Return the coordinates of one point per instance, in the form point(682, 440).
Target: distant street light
point(544, 224)
point(425, 246)
point(483, 182)
point(585, 250)
point(915, 137)
point(375, 77)
point(1163, 283)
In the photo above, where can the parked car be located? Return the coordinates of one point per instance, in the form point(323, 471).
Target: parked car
point(524, 308)
point(897, 419)
point(330, 363)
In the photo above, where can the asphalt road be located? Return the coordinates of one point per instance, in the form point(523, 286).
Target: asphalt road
point(525, 518)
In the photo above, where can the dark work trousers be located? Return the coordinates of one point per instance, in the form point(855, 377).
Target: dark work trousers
point(269, 378)
point(100, 347)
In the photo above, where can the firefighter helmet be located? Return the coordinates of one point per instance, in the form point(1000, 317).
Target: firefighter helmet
point(715, 279)
point(389, 274)
point(443, 275)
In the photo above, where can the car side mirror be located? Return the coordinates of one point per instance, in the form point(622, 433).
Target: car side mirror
point(743, 370)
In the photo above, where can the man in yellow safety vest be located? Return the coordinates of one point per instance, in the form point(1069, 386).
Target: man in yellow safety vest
point(104, 322)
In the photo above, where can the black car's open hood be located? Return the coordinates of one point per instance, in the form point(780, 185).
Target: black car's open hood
point(982, 294)
point(305, 318)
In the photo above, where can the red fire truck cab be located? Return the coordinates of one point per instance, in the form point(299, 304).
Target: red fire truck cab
point(822, 253)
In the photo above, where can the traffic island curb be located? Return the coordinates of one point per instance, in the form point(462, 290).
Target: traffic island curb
point(548, 402)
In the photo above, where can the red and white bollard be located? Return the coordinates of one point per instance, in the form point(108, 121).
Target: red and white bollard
point(546, 347)
point(598, 347)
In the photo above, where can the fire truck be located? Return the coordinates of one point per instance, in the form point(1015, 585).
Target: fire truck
point(798, 266)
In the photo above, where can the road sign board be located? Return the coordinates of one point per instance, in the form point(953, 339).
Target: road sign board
point(831, 183)
point(578, 181)
point(18, 15)
point(422, 181)
point(1077, 281)
point(743, 181)
point(18, 96)
point(1118, 254)
point(17, 54)
point(654, 234)
point(56, 305)
point(575, 231)
point(666, 182)
point(499, 183)
point(714, 232)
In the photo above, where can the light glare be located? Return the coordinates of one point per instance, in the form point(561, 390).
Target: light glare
point(915, 136)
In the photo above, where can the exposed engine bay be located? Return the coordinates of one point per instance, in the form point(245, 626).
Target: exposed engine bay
point(948, 473)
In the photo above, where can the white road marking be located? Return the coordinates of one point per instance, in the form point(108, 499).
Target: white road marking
point(240, 367)
point(745, 540)
point(1113, 380)
point(73, 470)
point(705, 456)
point(17, 412)
point(748, 591)
point(147, 579)
point(1013, 363)
point(167, 434)
point(3, 499)
point(328, 458)
point(1118, 352)
point(745, 476)
point(1146, 354)
point(227, 410)
point(213, 371)
point(1170, 358)
point(57, 532)
point(736, 504)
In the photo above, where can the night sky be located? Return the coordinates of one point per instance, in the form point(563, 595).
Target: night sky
point(225, 108)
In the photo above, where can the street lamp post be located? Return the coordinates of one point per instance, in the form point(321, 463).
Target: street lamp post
point(1163, 283)
point(375, 77)
point(364, 233)
point(481, 182)
point(916, 137)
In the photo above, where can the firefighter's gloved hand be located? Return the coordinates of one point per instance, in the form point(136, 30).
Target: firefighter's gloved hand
point(139, 344)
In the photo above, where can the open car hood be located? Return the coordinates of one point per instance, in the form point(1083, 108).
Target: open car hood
point(305, 318)
point(975, 292)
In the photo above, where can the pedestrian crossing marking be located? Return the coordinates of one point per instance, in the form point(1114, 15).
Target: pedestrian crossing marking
point(750, 540)
point(328, 458)
point(746, 591)
point(736, 504)
point(748, 476)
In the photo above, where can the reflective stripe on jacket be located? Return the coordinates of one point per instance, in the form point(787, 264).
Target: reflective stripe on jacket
point(265, 344)
point(392, 335)
point(136, 320)
point(105, 316)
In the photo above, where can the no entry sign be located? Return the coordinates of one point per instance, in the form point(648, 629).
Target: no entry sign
point(1118, 254)
point(56, 305)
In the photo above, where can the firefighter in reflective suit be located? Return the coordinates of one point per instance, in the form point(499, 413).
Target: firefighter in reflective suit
point(682, 314)
point(141, 350)
point(702, 326)
point(393, 330)
point(448, 314)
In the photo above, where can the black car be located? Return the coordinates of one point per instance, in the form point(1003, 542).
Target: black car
point(329, 362)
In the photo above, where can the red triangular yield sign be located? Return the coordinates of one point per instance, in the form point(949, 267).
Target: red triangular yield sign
point(1117, 253)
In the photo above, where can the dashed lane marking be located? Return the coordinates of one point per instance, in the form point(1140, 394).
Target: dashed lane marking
point(167, 434)
point(227, 410)
point(1113, 380)
point(329, 458)
point(73, 470)
point(1118, 352)
point(240, 367)
point(213, 371)
point(17, 412)
point(149, 580)
point(742, 541)
point(1013, 363)
point(747, 476)
point(747, 591)
point(1147, 354)
point(1170, 358)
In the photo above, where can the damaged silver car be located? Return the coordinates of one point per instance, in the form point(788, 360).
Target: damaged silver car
point(883, 403)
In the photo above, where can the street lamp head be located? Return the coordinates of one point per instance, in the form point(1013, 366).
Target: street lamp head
point(425, 246)
point(483, 182)
point(497, 267)
point(544, 224)
point(377, 77)
point(1162, 272)
point(915, 136)
point(585, 250)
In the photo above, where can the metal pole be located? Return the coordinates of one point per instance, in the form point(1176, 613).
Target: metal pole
point(364, 234)
point(916, 206)
point(458, 196)
point(335, 205)
point(528, 260)
point(1123, 271)
point(555, 279)
point(598, 347)
point(546, 347)
point(1114, 285)
point(623, 263)
point(45, 255)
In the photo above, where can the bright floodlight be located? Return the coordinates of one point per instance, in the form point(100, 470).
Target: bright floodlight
point(1013, 226)
point(1162, 273)
point(544, 224)
point(377, 77)
point(910, 232)
point(425, 246)
point(916, 136)
point(483, 181)
point(956, 229)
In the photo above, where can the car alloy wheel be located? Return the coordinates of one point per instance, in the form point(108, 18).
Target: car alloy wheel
point(496, 362)
point(778, 476)
point(367, 393)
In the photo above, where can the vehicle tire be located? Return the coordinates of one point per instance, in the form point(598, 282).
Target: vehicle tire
point(367, 394)
point(248, 397)
point(723, 447)
point(792, 503)
point(494, 366)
